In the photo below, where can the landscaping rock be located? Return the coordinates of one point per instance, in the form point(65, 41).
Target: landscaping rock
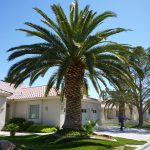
point(6, 145)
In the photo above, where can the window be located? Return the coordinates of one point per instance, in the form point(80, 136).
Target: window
point(94, 111)
point(83, 110)
point(34, 112)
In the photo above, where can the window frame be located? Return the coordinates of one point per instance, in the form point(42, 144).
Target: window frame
point(37, 114)
point(83, 110)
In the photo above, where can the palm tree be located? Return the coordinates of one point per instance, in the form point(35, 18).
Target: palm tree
point(76, 52)
point(120, 99)
point(141, 57)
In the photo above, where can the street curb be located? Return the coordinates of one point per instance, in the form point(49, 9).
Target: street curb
point(144, 146)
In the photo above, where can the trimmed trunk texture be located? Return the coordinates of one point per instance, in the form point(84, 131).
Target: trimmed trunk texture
point(122, 109)
point(73, 93)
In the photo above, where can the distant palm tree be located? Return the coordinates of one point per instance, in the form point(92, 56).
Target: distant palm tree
point(76, 51)
point(120, 99)
point(141, 57)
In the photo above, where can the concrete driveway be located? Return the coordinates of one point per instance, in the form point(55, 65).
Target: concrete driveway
point(130, 133)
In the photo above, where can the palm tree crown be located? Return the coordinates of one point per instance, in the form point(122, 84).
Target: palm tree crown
point(76, 51)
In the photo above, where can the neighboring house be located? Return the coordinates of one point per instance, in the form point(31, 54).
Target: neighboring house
point(110, 115)
point(30, 103)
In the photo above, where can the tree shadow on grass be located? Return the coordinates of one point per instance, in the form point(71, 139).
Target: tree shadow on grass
point(75, 143)
point(50, 142)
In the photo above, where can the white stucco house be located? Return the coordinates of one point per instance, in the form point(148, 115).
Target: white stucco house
point(31, 104)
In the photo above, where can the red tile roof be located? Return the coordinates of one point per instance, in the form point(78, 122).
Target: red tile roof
point(24, 93)
point(6, 87)
point(4, 92)
point(32, 92)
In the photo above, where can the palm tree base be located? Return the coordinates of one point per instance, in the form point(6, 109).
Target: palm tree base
point(70, 126)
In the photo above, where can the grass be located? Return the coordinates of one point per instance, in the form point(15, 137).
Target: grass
point(129, 148)
point(36, 142)
point(111, 124)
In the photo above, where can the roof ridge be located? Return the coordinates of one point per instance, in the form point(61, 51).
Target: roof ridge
point(6, 91)
point(34, 86)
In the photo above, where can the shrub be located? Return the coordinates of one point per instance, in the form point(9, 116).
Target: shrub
point(12, 127)
point(41, 129)
point(48, 130)
point(17, 121)
point(70, 132)
point(26, 125)
point(89, 127)
point(32, 128)
point(21, 122)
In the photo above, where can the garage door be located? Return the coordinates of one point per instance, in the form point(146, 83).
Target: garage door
point(84, 116)
point(94, 114)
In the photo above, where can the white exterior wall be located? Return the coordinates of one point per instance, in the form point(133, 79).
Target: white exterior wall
point(11, 109)
point(89, 105)
point(20, 109)
point(51, 111)
point(89, 115)
point(2, 111)
point(62, 113)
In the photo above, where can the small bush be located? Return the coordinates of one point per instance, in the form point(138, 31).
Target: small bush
point(70, 132)
point(48, 130)
point(89, 127)
point(12, 127)
point(17, 121)
point(21, 122)
point(41, 129)
point(26, 125)
point(32, 128)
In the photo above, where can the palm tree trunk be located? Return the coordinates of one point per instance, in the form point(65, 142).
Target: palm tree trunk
point(140, 118)
point(122, 109)
point(73, 93)
point(140, 106)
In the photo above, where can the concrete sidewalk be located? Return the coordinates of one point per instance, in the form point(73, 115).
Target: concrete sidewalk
point(6, 133)
point(130, 133)
point(144, 147)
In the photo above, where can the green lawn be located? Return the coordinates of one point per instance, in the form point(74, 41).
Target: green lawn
point(130, 148)
point(49, 142)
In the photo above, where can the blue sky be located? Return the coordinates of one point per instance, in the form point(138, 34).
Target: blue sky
point(132, 14)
